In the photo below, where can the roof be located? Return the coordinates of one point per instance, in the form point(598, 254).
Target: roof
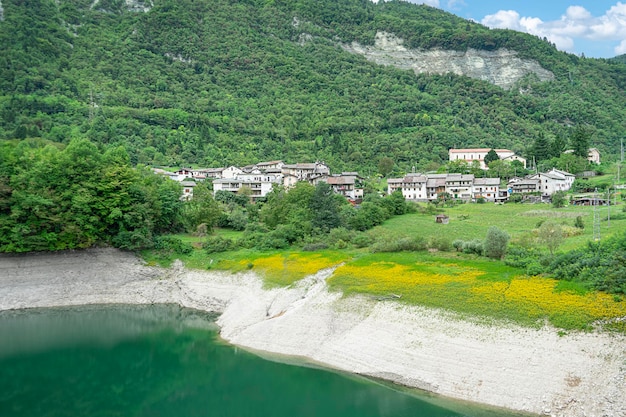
point(526, 181)
point(269, 163)
point(341, 180)
point(478, 150)
point(436, 182)
point(188, 183)
point(487, 181)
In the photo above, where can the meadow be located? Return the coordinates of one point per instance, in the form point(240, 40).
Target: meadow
point(471, 285)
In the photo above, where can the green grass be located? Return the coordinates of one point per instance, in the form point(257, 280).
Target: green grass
point(471, 221)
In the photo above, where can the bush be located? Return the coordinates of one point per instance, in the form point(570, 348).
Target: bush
point(481, 200)
point(496, 242)
point(578, 223)
point(473, 246)
point(534, 268)
point(340, 233)
point(402, 244)
point(362, 240)
point(214, 244)
point(516, 198)
point(441, 243)
point(458, 245)
point(312, 247)
point(238, 219)
point(172, 244)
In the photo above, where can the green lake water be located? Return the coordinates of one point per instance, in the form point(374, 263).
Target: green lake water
point(167, 361)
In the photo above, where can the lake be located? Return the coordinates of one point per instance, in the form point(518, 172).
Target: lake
point(163, 360)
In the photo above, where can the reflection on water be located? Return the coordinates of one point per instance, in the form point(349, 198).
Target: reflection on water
point(164, 360)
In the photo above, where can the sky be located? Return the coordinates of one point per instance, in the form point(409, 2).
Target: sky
point(595, 28)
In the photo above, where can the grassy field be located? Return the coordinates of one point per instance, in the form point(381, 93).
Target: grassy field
point(467, 284)
point(471, 221)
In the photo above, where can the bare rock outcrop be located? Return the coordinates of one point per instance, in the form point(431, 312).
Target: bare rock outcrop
point(501, 67)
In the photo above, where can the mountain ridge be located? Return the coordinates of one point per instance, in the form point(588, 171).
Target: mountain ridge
point(219, 82)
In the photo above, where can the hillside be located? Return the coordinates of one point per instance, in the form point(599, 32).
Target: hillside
point(215, 82)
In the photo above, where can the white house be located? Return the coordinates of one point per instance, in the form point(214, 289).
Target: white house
point(460, 185)
point(523, 185)
point(478, 154)
point(487, 188)
point(257, 189)
point(187, 193)
point(412, 186)
point(552, 181)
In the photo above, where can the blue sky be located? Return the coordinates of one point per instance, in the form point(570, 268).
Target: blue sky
point(595, 28)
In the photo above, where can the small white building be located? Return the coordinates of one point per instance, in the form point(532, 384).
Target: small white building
point(187, 192)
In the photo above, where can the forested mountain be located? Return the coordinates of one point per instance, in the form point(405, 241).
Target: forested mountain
point(217, 82)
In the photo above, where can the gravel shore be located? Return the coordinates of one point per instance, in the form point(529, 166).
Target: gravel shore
point(536, 371)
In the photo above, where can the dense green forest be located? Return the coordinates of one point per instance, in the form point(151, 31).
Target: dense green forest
point(217, 82)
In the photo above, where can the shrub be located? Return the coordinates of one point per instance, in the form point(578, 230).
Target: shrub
point(473, 246)
point(214, 244)
point(496, 242)
point(558, 199)
point(516, 198)
point(402, 244)
point(579, 222)
point(312, 247)
point(458, 245)
point(172, 244)
point(340, 233)
point(362, 240)
point(441, 243)
point(238, 219)
point(481, 200)
point(534, 268)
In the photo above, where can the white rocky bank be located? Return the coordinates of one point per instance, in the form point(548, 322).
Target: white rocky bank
point(501, 67)
point(538, 371)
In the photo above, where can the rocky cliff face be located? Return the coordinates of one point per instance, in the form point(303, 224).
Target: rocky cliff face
point(502, 67)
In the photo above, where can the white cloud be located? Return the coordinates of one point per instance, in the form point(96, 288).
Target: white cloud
point(577, 13)
point(434, 3)
point(621, 48)
point(504, 19)
point(576, 22)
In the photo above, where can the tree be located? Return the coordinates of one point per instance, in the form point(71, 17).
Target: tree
point(325, 208)
point(551, 235)
point(580, 140)
point(385, 166)
point(496, 242)
point(491, 156)
point(558, 199)
point(541, 148)
point(500, 169)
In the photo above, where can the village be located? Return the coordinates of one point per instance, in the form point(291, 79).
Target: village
point(259, 179)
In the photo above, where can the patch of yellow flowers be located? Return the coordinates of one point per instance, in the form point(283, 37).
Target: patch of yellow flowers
point(521, 298)
point(286, 268)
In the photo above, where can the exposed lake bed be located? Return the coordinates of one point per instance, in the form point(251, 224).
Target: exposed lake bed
point(533, 370)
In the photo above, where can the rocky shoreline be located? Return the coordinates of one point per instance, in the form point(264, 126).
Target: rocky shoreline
point(536, 371)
